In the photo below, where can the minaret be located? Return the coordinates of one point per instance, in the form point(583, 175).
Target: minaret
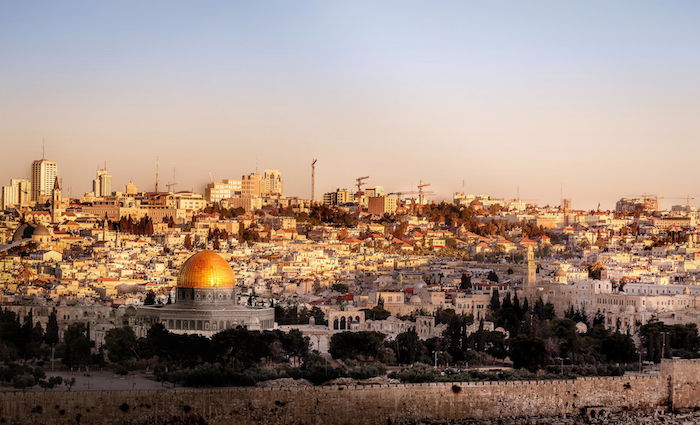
point(56, 201)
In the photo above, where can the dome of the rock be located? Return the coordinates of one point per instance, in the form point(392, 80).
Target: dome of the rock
point(207, 270)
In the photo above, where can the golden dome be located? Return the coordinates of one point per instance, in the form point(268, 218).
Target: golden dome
point(206, 269)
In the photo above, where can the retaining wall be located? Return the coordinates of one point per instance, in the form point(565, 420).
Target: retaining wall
point(677, 386)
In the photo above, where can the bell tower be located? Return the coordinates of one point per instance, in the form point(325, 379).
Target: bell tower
point(531, 276)
point(56, 201)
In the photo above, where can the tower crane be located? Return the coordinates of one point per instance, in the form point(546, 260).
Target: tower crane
point(421, 193)
point(171, 186)
point(687, 198)
point(359, 183)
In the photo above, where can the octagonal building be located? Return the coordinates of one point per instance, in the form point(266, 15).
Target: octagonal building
point(205, 301)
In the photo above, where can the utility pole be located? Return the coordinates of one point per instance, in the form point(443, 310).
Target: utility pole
point(313, 180)
point(663, 344)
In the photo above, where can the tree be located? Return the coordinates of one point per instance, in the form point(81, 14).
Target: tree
point(465, 282)
point(150, 298)
point(188, 242)
point(409, 347)
point(528, 352)
point(456, 335)
point(77, 345)
point(340, 287)
point(51, 336)
point(400, 231)
point(363, 345)
point(121, 344)
point(377, 312)
point(493, 277)
point(619, 348)
point(495, 303)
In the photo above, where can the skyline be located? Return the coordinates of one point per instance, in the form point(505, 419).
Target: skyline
point(600, 98)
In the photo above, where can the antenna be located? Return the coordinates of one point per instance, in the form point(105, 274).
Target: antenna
point(313, 180)
point(43, 148)
point(156, 174)
point(561, 192)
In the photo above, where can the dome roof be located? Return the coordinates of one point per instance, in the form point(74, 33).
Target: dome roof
point(41, 230)
point(206, 269)
point(24, 231)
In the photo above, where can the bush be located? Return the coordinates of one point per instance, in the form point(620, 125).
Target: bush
point(24, 380)
point(419, 372)
point(215, 375)
point(367, 371)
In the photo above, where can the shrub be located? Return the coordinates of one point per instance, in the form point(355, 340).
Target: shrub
point(419, 372)
point(24, 380)
point(367, 371)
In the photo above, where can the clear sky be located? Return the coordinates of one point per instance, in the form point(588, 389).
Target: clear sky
point(600, 96)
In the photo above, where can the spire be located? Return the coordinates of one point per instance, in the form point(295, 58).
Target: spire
point(56, 184)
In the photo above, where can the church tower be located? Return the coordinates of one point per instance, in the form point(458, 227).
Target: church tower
point(531, 276)
point(56, 201)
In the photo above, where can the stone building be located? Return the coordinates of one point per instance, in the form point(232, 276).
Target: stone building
point(205, 301)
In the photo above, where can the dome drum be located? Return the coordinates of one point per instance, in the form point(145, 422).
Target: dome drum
point(221, 296)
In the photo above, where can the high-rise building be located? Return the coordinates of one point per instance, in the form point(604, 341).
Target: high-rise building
point(271, 183)
point(131, 188)
point(43, 178)
point(17, 194)
point(340, 196)
point(216, 191)
point(102, 184)
point(8, 199)
point(380, 205)
point(374, 191)
point(250, 185)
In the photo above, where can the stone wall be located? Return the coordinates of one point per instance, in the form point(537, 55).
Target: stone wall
point(684, 385)
point(361, 405)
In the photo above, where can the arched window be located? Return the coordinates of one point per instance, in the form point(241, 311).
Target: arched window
point(335, 323)
point(342, 323)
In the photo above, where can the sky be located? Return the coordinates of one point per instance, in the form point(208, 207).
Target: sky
point(599, 98)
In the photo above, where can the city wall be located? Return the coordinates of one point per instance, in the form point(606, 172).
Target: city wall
point(677, 386)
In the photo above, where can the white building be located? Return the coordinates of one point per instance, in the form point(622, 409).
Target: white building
point(43, 176)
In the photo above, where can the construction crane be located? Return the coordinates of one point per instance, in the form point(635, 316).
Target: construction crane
point(359, 184)
point(313, 180)
point(171, 186)
point(687, 198)
point(421, 193)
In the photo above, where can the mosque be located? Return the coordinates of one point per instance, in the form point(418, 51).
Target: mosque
point(205, 301)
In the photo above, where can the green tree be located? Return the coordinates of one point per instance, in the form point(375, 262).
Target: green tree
point(528, 352)
point(495, 303)
point(363, 345)
point(77, 345)
point(121, 345)
point(150, 298)
point(410, 349)
point(51, 335)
